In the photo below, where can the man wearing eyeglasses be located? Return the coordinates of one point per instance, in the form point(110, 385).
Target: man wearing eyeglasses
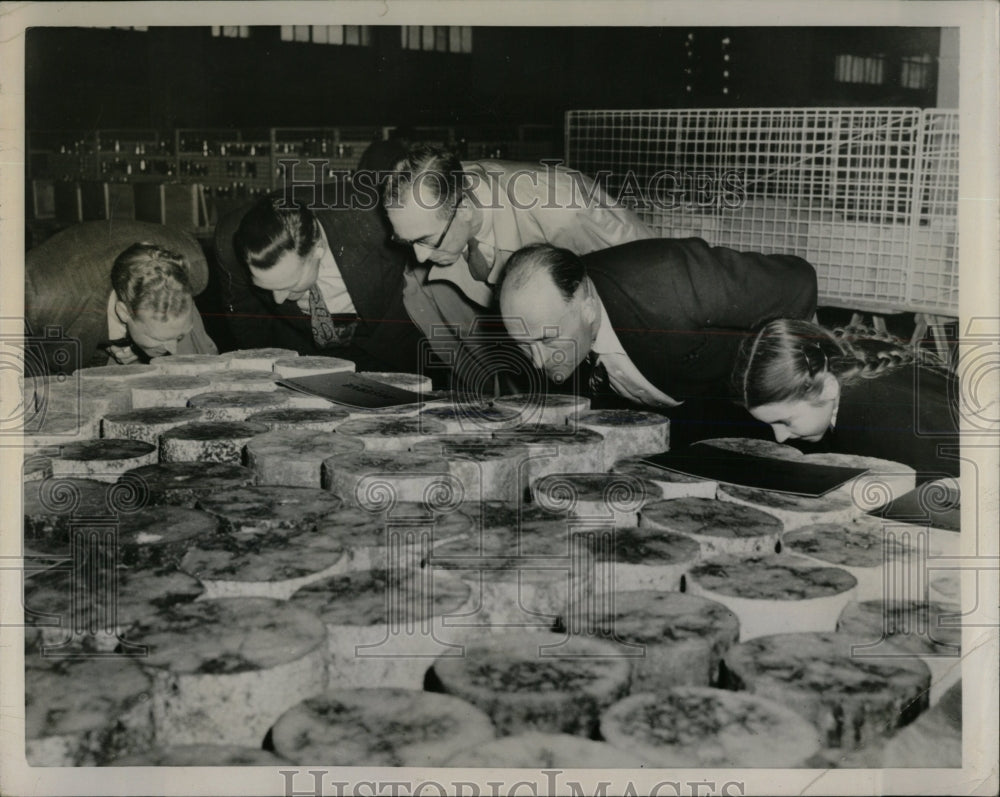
point(463, 221)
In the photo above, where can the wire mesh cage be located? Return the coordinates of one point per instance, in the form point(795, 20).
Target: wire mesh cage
point(868, 195)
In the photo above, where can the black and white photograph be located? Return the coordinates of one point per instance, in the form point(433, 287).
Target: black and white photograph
point(499, 398)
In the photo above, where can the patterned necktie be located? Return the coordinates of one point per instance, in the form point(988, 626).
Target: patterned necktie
point(598, 379)
point(479, 267)
point(329, 330)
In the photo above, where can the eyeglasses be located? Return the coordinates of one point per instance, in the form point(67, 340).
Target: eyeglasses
point(423, 241)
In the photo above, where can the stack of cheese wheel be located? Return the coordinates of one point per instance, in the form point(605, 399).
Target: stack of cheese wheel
point(208, 441)
point(884, 482)
point(641, 559)
point(236, 405)
point(391, 434)
point(383, 626)
point(189, 364)
point(416, 383)
point(671, 483)
point(375, 479)
point(166, 390)
point(291, 367)
point(719, 527)
point(855, 701)
point(224, 670)
point(558, 449)
point(669, 638)
point(539, 750)
point(627, 433)
point(538, 682)
point(184, 483)
point(471, 419)
point(861, 547)
point(295, 456)
point(608, 498)
point(931, 631)
point(545, 408)
point(102, 459)
point(934, 740)
point(318, 419)
point(147, 424)
point(698, 727)
point(84, 711)
point(523, 570)
point(774, 594)
point(488, 469)
point(251, 510)
point(381, 727)
point(159, 536)
point(257, 359)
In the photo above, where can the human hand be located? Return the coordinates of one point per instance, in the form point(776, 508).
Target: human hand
point(123, 355)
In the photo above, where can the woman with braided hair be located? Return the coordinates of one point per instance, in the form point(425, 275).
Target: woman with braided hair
point(850, 390)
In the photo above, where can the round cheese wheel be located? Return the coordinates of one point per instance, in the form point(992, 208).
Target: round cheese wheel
point(102, 459)
point(375, 480)
point(854, 701)
point(65, 413)
point(202, 755)
point(862, 548)
point(671, 484)
point(320, 420)
point(166, 390)
point(719, 527)
point(538, 682)
point(470, 419)
point(774, 594)
point(50, 505)
point(794, 511)
point(753, 447)
point(488, 469)
point(382, 727)
point(147, 424)
point(934, 740)
point(670, 639)
point(602, 497)
point(386, 413)
point(84, 711)
point(304, 401)
point(699, 727)
point(631, 559)
point(291, 367)
point(884, 482)
point(235, 405)
point(225, 670)
point(396, 434)
point(252, 510)
point(184, 483)
point(627, 433)
point(558, 449)
point(257, 359)
point(418, 383)
point(554, 409)
point(383, 626)
point(537, 750)
point(931, 631)
point(268, 564)
point(208, 441)
point(115, 372)
point(36, 467)
point(295, 456)
point(159, 536)
point(188, 364)
point(91, 609)
point(237, 379)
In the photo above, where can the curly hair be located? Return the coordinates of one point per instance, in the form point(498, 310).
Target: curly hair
point(786, 360)
point(148, 277)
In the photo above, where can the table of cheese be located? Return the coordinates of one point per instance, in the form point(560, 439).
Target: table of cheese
point(224, 571)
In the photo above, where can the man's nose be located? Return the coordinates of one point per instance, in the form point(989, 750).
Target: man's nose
point(280, 296)
point(781, 433)
point(421, 253)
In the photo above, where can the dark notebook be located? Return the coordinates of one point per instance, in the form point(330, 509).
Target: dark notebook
point(930, 504)
point(353, 390)
point(763, 473)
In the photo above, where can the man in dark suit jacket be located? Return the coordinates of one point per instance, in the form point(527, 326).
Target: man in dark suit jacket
point(344, 291)
point(664, 317)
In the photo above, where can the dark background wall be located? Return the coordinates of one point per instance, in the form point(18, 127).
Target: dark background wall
point(183, 77)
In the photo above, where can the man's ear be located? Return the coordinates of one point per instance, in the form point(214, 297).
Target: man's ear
point(831, 387)
point(121, 310)
point(590, 308)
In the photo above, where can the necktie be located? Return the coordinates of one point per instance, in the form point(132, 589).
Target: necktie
point(598, 379)
point(328, 330)
point(479, 266)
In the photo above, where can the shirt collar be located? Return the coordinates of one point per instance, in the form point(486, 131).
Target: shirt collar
point(606, 341)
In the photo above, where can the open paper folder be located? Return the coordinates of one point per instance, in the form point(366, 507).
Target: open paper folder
point(746, 470)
